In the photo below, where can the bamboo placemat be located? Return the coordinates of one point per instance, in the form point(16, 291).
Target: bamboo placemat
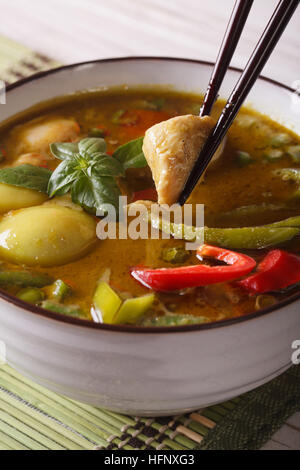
point(33, 418)
point(18, 61)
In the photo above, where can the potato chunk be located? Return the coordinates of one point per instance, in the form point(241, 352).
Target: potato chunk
point(14, 197)
point(47, 235)
point(171, 149)
point(36, 136)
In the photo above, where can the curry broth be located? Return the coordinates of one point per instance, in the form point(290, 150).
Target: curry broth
point(226, 186)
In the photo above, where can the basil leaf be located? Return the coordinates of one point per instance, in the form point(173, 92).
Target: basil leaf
point(62, 177)
point(92, 193)
point(131, 154)
point(104, 165)
point(89, 173)
point(63, 150)
point(26, 176)
point(91, 145)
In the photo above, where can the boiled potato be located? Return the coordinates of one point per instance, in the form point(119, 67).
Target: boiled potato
point(46, 235)
point(14, 197)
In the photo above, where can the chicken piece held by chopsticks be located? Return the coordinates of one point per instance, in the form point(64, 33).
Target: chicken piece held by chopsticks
point(171, 149)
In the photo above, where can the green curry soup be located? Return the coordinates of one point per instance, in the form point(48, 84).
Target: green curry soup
point(50, 255)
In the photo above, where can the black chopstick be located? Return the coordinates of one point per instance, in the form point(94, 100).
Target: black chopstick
point(230, 41)
point(261, 54)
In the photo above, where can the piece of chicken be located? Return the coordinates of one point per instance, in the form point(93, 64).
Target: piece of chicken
point(36, 136)
point(35, 159)
point(171, 149)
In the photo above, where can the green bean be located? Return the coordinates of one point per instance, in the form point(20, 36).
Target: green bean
point(175, 255)
point(59, 290)
point(246, 211)
point(243, 159)
point(173, 320)
point(245, 238)
point(290, 222)
point(249, 238)
point(96, 132)
point(32, 295)
point(69, 310)
point(24, 279)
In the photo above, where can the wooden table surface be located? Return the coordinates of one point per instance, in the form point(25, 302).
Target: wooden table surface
point(78, 30)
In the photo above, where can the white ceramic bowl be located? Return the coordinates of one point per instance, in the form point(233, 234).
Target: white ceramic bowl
point(136, 370)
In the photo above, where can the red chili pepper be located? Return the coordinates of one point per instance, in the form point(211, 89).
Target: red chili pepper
point(167, 280)
point(278, 270)
point(149, 194)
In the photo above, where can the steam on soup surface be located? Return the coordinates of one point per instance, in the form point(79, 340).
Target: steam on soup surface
point(49, 252)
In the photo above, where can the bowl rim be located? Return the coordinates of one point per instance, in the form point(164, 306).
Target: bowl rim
point(132, 328)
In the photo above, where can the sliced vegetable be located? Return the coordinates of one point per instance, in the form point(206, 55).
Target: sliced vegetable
point(32, 295)
point(110, 308)
point(59, 290)
point(278, 270)
point(273, 155)
point(264, 301)
point(166, 280)
point(24, 279)
point(116, 117)
point(173, 320)
point(69, 310)
point(157, 104)
point(246, 121)
point(243, 159)
point(149, 194)
point(133, 309)
point(279, 140)
point(294, 152)
point(175, 255)
point(289, 174)
point(106, 302)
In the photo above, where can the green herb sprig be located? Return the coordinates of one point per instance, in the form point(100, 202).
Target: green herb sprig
point(86, 171)
point(90, 174)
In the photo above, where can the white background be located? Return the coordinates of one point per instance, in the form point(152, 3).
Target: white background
point(77, 30)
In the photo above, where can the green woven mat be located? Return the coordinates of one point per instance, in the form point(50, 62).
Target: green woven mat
point(32, 417)
point(17, 61)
